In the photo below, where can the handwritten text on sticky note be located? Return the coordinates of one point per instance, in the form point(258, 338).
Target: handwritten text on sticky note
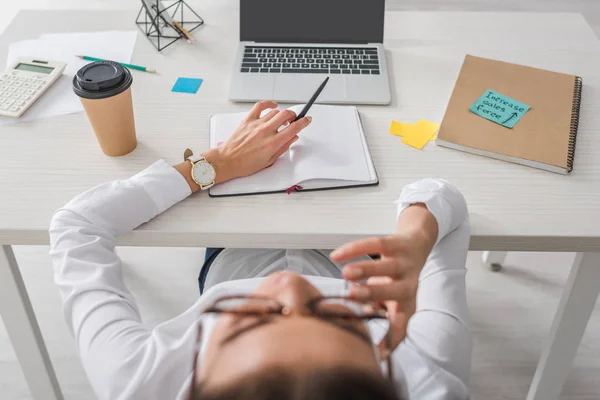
point(499, 108)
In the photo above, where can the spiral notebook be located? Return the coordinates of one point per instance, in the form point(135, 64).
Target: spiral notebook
point(543, 138)
point(332, 153)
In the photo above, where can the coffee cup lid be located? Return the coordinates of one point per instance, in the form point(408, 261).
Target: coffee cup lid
point(101, 79)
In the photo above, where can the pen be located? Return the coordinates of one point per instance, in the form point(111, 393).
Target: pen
point(312, 100)
point(130, 66)
point(188, 35)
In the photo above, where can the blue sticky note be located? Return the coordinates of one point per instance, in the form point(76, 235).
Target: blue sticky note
point(187, 85)
point(499, 108)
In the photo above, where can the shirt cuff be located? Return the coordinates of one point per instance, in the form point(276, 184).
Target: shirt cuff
point(442, 199)
point(164, 184)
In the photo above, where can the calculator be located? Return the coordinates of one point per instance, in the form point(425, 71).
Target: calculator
point(23, 83)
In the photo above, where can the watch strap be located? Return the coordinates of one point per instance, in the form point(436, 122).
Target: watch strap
point(194, 158)
point(206, 187)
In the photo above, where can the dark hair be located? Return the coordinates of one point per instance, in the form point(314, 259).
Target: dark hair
point(320, 384)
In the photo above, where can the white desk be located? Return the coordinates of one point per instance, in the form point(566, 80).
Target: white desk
point(43, 164)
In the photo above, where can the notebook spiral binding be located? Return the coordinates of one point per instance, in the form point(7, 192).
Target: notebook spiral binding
point(574, 122)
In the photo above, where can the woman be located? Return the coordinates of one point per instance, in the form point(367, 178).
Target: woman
point(401, 331)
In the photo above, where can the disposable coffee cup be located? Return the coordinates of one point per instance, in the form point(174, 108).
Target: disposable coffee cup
point(104, 88)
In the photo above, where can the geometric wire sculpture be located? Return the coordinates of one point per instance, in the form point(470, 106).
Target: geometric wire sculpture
point(157, 23)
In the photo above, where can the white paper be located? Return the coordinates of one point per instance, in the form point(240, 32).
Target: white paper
point(331, 147)
point(59, 98)
point(332, 150)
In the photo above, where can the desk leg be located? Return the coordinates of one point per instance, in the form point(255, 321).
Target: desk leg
point(24, 331)
point(494, 259)
point(574, 311)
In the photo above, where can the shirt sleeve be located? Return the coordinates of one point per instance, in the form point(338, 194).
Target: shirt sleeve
point(100, 311)
point(438, 335)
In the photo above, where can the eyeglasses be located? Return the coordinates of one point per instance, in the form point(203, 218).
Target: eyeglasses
point(331, 309)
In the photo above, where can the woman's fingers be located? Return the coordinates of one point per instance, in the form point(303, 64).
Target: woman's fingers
point(291, 131)
point(282, 118)
point(269, 116)
point(403, 290)
point(259, 108)
point(284, 148)
point(387, 266)
point(364, 247)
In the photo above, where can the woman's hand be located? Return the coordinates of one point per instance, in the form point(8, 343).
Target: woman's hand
point(393, 279)
point(256, 143)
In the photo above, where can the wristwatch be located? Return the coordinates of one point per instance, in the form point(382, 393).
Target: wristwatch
point(203, 172)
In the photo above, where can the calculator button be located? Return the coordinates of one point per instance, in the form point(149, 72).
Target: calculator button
point(18, 84)
point(35, 86)
point(15, 95)
point(29, 91)
point(19, 103)
point(24, 97)
point(14, 108)
point(27, 85)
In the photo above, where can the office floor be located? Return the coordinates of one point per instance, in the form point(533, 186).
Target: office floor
point(511, 311)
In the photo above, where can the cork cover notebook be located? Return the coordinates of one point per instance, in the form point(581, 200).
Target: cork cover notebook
point(543, 138)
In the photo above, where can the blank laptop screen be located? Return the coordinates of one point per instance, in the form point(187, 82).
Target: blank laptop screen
point(312, 21)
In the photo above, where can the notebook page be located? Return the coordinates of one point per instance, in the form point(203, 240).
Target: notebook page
point(275, 178)
point(331, 151)
point(330, 183)
point(368, 157)
point(331, 147)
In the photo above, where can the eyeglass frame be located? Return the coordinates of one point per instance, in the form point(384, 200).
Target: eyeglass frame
point(285, 311)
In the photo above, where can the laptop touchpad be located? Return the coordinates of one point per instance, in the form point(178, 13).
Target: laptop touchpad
point(299, 88)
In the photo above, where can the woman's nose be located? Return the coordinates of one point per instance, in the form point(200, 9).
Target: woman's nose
point(294, 292)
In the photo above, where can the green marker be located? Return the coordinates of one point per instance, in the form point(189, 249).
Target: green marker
point(130, 66)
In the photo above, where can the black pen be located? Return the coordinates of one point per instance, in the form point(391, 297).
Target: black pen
point(312, 100)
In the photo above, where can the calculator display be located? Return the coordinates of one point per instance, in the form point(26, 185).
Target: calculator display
point(34, 68)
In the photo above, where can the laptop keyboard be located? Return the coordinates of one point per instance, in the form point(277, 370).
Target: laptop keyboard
point(311, 60)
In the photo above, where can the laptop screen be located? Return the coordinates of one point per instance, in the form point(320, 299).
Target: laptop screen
point(312, 21)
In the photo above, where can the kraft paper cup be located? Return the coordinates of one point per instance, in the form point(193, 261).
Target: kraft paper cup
point(104, 88)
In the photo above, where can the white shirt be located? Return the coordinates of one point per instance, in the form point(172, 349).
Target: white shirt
point(126, 359)
point(233, 264)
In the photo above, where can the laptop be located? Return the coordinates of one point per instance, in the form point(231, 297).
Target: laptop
point(288, 47)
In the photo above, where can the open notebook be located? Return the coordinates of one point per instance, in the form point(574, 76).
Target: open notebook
point(332, 153)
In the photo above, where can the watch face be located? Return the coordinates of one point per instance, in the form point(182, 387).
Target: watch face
point(203, 173)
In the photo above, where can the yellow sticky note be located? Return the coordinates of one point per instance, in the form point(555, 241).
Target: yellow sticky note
point(422, 132)
point(428, 126)
point(400, 128)
point(417, 139)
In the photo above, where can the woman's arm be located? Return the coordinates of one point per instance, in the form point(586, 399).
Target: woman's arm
point(99, 310)
point(439, 329)
point(421, 275)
